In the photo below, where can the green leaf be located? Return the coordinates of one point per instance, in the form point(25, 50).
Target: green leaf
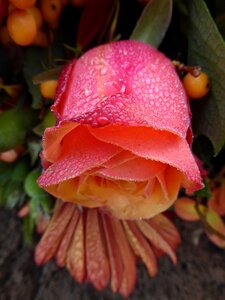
point(153, 23)
point(34, 148)
point(28, 229)
point(31, 187)
point(14, 124)
point(207, 49)
point(34, 59)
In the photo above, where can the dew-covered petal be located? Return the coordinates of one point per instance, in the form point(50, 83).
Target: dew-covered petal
point(80, 151)
point(137, 169)
point(125, 82)
point(155, 145)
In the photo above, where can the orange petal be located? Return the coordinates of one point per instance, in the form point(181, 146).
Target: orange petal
point(116, 265)
point(138, 169)
point(80, 152)
point(156, 239)
point(185, 209)
point(152, 144)
point(76, 255)
point(49, 243)
point(128, 258)
point(52, 139)
point(97, 261)
point(141, 247)
point(65, 243)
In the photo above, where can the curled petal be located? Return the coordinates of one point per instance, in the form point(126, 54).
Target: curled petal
point(164, 147)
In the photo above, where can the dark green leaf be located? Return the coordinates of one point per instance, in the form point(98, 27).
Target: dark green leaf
point(207, 49)
point(14, 126)
point(205, 192)
point(34, 148)
point(28, 229)
point(153, 23)
point(34, 59)
point(31, 187)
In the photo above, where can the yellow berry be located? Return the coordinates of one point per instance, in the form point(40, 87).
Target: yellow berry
point(48, 88)
point(196, 87)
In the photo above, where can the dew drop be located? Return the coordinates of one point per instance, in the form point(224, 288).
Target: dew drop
point(103, 120)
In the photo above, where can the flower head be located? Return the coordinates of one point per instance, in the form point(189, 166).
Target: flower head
point(122, 141)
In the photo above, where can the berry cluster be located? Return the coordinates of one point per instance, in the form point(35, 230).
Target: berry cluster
point(28, 20)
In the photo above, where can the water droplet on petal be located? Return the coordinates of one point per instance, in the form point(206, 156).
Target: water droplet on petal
point(103, 120)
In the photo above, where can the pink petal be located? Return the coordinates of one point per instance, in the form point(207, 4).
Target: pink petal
point(127, 83)
point(155, 145)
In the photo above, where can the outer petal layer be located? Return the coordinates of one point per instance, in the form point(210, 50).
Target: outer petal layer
point(127, 83)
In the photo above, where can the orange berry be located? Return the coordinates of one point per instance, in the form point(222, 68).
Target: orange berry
point(22, 4)
point(48, 88)
point(35, 12)
point(196, 87)
point(51, 10)
point(22, 27)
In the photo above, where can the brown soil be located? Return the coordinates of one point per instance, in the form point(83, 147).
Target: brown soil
point(199, 274)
